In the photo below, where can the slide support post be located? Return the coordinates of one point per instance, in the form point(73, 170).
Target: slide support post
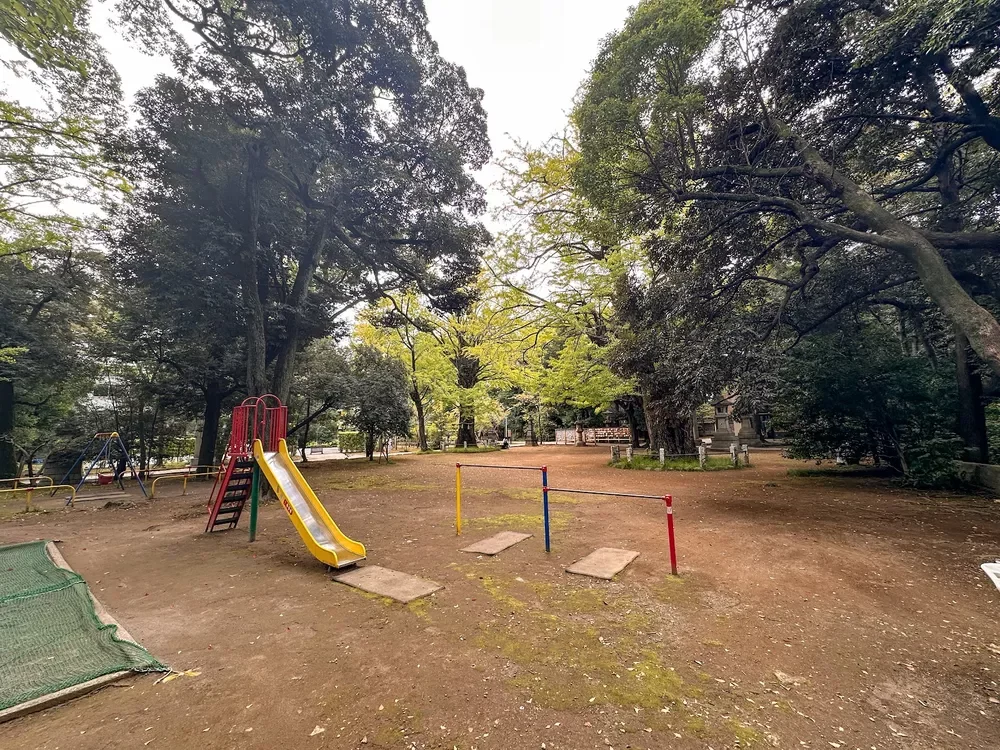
point(254, 496)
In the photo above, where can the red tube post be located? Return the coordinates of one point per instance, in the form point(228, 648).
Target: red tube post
point(669, 500)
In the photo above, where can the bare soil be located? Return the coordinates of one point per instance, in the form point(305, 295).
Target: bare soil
point(811, 612)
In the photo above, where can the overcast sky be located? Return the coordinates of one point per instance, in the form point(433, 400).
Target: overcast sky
point(529, 56)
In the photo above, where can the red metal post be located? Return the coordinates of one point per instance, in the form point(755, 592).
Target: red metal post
point(669, 500)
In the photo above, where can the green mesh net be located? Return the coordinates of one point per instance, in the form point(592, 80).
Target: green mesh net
point(50, 635)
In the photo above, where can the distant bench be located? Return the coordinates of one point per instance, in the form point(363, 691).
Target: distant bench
point(315, 450)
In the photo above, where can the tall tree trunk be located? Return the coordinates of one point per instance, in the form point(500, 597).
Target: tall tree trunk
point(633, 423)
point(253, 309)
point(468, 369)
point(284, 366)
point(971, 408)
point(370, 446)
point(418, 405)
point(210, 426)
point(8, 458)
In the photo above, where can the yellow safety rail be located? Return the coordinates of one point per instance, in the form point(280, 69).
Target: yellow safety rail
point(31, 490)
point(189, 471)
point(34, 481)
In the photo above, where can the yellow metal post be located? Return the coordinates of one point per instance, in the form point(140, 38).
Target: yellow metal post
point(458, 499)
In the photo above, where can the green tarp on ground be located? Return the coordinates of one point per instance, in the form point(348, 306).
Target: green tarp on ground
point(50, 635)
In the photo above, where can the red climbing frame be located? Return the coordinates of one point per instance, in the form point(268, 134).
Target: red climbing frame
point(262, 418)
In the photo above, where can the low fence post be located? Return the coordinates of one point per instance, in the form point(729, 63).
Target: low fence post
point(701, 456)
point(628, 452)
point(732, 454)
point(746, 455)
point(663, 456)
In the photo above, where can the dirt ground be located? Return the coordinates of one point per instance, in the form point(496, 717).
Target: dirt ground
point(810, 613)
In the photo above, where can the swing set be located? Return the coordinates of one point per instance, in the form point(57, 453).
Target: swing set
point(110, 440)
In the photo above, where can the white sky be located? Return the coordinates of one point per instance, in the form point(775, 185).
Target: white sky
point(529, 56)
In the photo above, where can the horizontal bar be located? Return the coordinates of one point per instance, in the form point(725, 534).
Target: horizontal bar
point(496, 466)
point(598, 492)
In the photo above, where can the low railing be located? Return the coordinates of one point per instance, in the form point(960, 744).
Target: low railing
point(189, 471)
point(52, 488)
point(32, 481)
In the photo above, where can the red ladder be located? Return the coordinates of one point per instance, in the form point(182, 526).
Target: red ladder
point(234, 491)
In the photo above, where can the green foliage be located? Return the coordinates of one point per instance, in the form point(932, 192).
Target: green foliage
point(855, 392)
point(652, 463)
point(993, 431)
point(350, 442)
point(380, 406)
point(44, 31)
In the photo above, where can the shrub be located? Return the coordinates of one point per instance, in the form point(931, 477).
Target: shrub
point(351, 442)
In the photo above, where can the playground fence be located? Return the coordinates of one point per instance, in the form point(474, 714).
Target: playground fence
point(31, 481)
point(29, 491)
point(188, 472)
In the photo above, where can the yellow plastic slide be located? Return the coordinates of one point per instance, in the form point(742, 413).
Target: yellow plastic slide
point(323, 538)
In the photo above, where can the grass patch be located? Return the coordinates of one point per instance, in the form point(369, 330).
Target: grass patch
point(475, 449)
point(420, 607)
point(557, 521)
point(330, 481)
point(652, 463)
point(746, 736)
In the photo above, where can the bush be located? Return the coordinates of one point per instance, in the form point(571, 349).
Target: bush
point(651, 463)
point(351, 442)
point(856, 393)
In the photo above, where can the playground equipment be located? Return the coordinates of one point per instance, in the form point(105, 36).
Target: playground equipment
point(29, 491)
point(257, 446)
point(109, 438)
point(668, 501)
point(545, 495)
point(185, 474)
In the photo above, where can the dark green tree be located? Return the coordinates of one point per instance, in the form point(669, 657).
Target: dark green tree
point(380, 403)
point(855, 392)
point(352, 144)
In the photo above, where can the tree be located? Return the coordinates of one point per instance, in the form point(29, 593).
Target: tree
point(351, 122)
point(324, 384)
point(401, 327)
point(760, 136)
point(49, 154)
point(381, 407)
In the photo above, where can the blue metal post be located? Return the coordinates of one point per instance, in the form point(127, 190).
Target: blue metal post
point(79, 460)
point(545, 505)
point(83, 477)
point(131, 466)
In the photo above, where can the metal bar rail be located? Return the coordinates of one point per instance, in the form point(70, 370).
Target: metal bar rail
point(189, 471)
point(545, 494)
point(667, 499)
point(53, 487)
point(33, 481)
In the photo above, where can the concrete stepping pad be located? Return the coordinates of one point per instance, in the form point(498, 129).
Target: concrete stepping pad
point(391, 583)
point(496, 543)
point(606, 563)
